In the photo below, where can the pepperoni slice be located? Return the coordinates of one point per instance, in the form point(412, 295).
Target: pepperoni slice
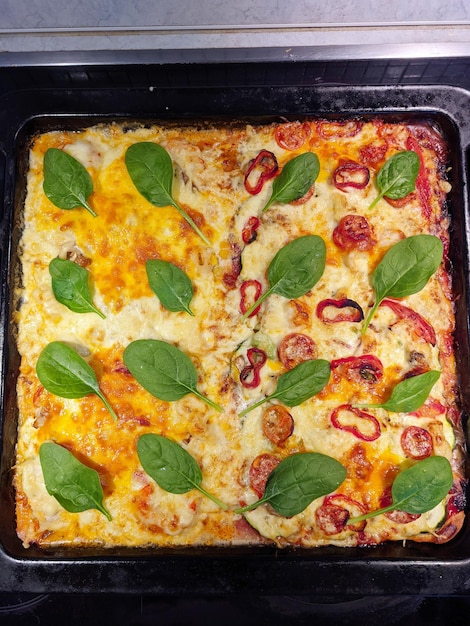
point(399, 517)
point(305, 198)
point(353, 232)
point(401, 202)
point(331, 518)
point(416, 443)
point(260, 469)
point(373, 153)
point(292, 135)
point(331, 130)
point(277, 424)
point(296, 348)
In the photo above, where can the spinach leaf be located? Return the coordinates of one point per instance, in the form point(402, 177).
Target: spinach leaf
point(299, 480)
point(410, 393)
point(151, 169)
point(397, 177)
point(298, 384)
point(295, 179)
point(294, 270)
point(163, 370)
point(405, 269)
point(417, 489)
point(75, 486)
point(172, 286)
point(171, 466)
point(67, 183)
point(70, 286)
point(66, 374)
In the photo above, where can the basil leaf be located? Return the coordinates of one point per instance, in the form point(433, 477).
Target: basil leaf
point(417, 489)
point(299, 480)
point(171, 285)
point(410, 394)
point(75, 486)
point(295, 269)
point(397, 177)
point(295, 179)
point(405, 269)
point(151, 169)
point(67, 183)
point(171, 466)
point(298, 384)
point(70, 286)
point(66, 374)
point(163, 370)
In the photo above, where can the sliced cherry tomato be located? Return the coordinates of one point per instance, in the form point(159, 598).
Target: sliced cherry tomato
point(296, 348)
point(250, 291)
point(416, 443)
point(359, 423)
point(346, 310)
point(420, 326)
point(353, 232)
point(292, 135)
point(366, 368)
point(423, 187)
point(330, 130)
point(250, 375)
point(250, 229)
point(260, 169)
point(399, 517)
point(277, 424)
point(351, 175)
point(260, 469)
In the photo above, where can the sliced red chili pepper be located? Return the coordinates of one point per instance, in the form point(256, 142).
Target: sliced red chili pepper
point(330, 130)
point(260, 169)
point(250, 229)
point(366, 368)
point(359, 423)
point(422, 183)
point(292, 135)
point(353, 232)
point(250, 375)
point(420, 326)
point(277, 424)
point(351, 175)
point(416, 443)
point(247, 298)
point(350, 311)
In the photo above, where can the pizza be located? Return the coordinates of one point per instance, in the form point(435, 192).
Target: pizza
point(237, 334)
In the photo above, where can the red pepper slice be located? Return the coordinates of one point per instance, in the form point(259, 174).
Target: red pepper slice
point(351, 175)
point(366, 368)
point(260, 169)
point(420, 326)
point(422, 183)
point(352, 313)
point(250, 375)
point(246, 300)
point(363, 425)
point(249, 232)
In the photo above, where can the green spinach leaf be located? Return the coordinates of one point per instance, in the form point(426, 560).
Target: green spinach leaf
point(75, 486)
point(67, 183)
point(295, 179)
point(70, 286)
point(405, 269)
point(66, 374)
point(163, 370)
point(171, 285)
point(417, 489)
point(171, 466)
point(409, 394)
point(397, 177)
point(294, 270)
point(151, 169)
point(298, 384)
point(299, 480)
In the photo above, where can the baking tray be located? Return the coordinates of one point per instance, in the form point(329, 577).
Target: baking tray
point(79, 97)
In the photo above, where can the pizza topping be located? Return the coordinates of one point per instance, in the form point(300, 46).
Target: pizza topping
point(422, 184)
point(416, 443)
point(292, 135)
point(277, 424)
point(351, 175)
point(296, 348)
point(373, 153)
point(353, 233)
point(250, 374)
point(397, 177)
point(250, 291)
point(260, 469)
point(70, 286)
point(399, 203)
point(365, 368)
point(260, 169)
point(333, 515)
point(331, 311)
point(305, 198)
point(250, 229)
point(409, 394)
point(296, 178)
point(359, 423)
point(332, 130)
point(399, 517)
point(230, 278)
point(420, 326)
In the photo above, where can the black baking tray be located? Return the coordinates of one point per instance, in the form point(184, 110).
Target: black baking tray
point(35, 99)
